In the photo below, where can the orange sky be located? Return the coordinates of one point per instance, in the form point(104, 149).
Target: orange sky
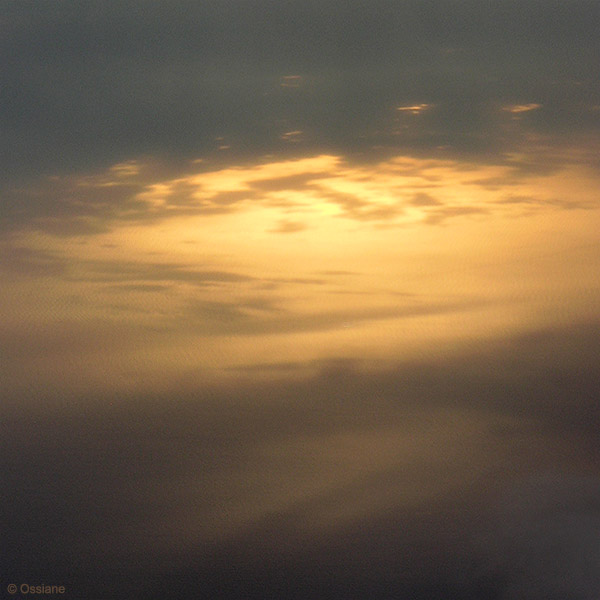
point(221, 268)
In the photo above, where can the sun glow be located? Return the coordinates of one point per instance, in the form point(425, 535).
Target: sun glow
point(314, 257)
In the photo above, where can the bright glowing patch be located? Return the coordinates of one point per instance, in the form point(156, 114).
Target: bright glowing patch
point(521, 108)
point(414, 109)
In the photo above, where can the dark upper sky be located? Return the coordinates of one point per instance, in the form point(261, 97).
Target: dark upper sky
point(85, 84)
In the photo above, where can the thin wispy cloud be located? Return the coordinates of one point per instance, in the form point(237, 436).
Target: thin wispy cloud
point(414, 109)
point(521, 108)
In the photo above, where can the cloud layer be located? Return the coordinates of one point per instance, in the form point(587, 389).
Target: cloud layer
point(475, 467)
point(299, 299)
point(94, 84)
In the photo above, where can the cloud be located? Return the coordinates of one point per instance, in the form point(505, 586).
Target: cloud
point(227, 318)
point(288, 227)
point(423, 199)
point(113, 271)
point(24, 261)
point(288, 182)
point(295, 136)
point(142, 287)
point(546, 542)
point(299, 442)
point(528, 201)
point(100, 84)
point(320, 187)
point(521, 108)
point(404, 471)
point(414, 109)
point(440, 215)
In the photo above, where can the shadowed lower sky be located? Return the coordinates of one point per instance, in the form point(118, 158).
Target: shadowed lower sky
point(300, 299)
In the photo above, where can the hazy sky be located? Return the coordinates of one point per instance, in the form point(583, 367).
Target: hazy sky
point(300, 299)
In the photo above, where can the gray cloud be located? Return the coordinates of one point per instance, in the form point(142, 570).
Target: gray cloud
point(142, 287)
point(430, 476)
point(544, 537)
point(23, 261)
point(220, 318)
point(288, 182)
point(103, 271)
point(95, 84)
point(19, 260)
point(125, 275)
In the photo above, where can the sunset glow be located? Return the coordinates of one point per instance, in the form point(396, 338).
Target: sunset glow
point(300, 300)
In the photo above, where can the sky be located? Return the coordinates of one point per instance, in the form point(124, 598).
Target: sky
point(300, 299)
